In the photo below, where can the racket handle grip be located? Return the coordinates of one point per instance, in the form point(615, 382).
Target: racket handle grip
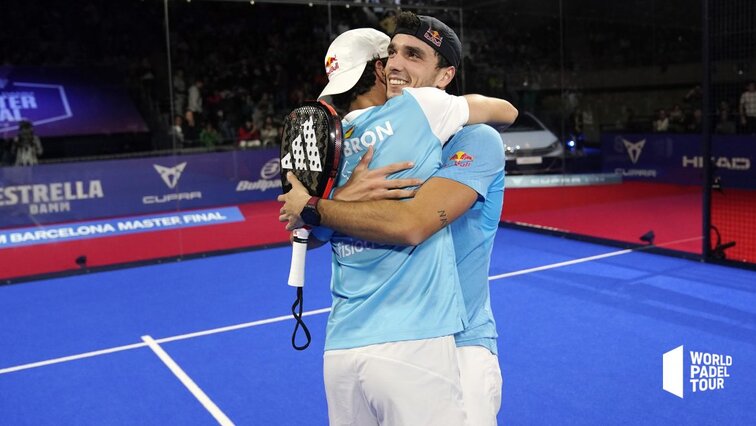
point(298, 254)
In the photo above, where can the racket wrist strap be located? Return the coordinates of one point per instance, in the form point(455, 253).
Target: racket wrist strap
point(296, 311)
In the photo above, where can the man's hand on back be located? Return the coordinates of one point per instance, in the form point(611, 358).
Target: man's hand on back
point(365, 184)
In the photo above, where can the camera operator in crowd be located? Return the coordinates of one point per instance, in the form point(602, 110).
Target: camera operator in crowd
point(26, 146)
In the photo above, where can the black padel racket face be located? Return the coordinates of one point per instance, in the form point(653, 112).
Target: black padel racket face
point(311, 147)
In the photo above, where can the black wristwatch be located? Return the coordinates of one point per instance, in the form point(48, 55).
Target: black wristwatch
point(310, 215)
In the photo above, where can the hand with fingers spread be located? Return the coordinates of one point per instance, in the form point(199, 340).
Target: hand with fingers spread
point(365, 184)
point(294, 201)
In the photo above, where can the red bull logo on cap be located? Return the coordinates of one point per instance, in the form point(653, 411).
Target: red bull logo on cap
point(461, 159)
point(331, 65)
point(434, 37)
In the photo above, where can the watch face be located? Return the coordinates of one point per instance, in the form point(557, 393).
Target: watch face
point(310, 216)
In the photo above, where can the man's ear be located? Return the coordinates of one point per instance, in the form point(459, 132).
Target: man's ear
point(445, 77)
point(380, 71)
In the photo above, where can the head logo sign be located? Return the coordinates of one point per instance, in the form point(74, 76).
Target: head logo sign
point(707, 372)
point(38, 103)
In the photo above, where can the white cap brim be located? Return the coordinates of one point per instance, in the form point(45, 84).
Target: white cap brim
point(344, 81)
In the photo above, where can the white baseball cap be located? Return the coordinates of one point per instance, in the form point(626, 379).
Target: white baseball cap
point(348, 55)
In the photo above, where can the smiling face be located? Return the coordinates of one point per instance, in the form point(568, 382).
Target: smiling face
point(413, 63)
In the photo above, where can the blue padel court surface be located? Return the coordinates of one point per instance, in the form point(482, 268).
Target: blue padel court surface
point(582, 333)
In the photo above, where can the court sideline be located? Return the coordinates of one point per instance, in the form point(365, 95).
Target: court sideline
point(582, 327)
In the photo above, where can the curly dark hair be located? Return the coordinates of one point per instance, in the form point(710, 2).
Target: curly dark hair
point(366, 82)
point(409, 19)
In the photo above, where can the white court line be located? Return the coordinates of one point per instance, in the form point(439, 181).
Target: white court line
point(163, 340)
point(308, 313)
point(239, 326)
point(587, 259)
point(187, 381)
point(558, 265)
point(72, 358)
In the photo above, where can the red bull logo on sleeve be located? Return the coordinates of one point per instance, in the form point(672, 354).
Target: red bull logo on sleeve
point(434, 37)
point(461, 159)
point(331, 65)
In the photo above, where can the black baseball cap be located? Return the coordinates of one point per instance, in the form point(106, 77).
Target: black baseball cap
point(438, 36)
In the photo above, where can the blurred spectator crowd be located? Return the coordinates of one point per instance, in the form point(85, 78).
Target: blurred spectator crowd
point(236, 68)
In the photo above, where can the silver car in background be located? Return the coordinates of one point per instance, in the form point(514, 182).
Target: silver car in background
point(530, 147)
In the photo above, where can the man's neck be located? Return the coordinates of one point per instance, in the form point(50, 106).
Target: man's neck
point(371, 98)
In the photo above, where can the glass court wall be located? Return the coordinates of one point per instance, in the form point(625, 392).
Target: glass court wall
point(158, 121)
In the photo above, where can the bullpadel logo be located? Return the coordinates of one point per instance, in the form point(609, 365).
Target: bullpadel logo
point(706, 371)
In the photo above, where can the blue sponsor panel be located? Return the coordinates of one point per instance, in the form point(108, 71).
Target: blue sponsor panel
point(63, 101)
point(80, 191)
point(18, 237)
point(676, 158)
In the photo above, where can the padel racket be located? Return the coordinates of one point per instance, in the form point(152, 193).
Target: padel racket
point(311, 149)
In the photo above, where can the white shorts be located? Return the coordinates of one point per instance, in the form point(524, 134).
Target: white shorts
point(481, 384)
point(411, 383)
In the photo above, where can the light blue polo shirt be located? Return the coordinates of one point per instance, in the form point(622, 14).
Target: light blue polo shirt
point(386, 293)
point(475, 157)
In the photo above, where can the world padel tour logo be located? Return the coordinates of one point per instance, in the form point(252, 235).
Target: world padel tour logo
point(35, 102)
point(706, 371)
